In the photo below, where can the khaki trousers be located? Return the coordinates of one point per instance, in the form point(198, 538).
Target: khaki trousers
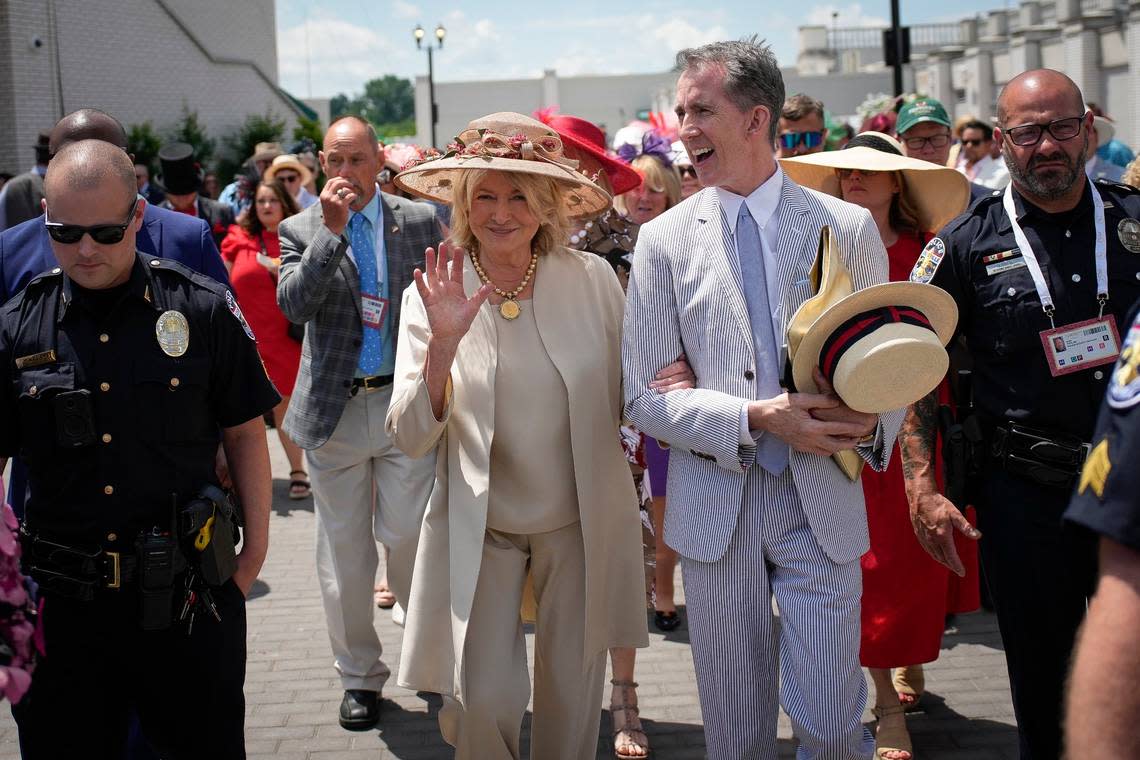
point(364, 490)
point(567, 693)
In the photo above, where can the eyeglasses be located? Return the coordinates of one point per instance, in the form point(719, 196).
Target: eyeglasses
point(288, 177)
point(846, 173)
point(687, 171)
point(934, 141)
point(789, 140)
point(1028, 135)
point(103, 234)
point(973, 143)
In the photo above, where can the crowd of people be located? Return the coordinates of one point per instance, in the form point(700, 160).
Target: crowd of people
point(855, 374)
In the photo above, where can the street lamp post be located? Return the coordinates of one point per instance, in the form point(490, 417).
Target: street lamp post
point(419, 34)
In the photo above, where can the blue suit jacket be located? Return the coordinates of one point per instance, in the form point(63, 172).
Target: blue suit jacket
point(25, 250)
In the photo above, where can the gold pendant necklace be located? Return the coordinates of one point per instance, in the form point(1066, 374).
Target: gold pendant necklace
point(509, 309)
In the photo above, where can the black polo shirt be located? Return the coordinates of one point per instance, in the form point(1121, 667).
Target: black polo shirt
point(977, 261)
point(1108, 494)
point(155, 419)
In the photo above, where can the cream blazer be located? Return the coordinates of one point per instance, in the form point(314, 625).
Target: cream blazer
point(578, 307)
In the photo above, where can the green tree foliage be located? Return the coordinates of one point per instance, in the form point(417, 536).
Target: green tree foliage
point(144, 143)
point(190, 130)
point(387, 102)
point(310, 128)
point(239, 146)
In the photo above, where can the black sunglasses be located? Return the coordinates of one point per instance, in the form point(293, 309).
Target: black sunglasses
point(1030, 134)
point(687, 171)
point(103, 234)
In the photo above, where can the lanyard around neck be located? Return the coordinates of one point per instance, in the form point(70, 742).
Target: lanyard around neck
point(1100, 252)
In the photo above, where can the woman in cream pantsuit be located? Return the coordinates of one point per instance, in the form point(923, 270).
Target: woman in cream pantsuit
point(509, 366)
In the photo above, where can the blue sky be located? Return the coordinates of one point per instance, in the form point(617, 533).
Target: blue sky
point(330, 46)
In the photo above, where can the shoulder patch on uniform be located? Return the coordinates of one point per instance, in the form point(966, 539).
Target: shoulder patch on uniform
point(928, 261)
point(1124, 387)
point(1128, 231)
point(231, 304)
point(1094, 475)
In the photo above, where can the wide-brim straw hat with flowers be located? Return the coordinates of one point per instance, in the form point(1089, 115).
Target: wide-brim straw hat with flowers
point(507, 142)
point(936, 193)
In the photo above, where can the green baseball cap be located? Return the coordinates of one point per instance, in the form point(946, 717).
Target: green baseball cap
point(920, 110)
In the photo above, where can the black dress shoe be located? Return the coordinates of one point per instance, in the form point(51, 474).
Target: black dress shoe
point(360, 709)
point(666, 621)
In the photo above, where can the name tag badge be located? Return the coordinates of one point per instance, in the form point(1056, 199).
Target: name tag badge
point(1081, 345)
point(373, 309)
point(1004, 266)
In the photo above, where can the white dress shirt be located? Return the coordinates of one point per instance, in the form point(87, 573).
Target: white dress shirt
point(989, 172)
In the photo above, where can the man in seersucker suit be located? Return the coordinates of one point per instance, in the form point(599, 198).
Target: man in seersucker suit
point(345, 263)
point(756, 506)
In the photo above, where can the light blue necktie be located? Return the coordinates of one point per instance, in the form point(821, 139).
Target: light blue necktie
point(771, 452)
point(364, 251)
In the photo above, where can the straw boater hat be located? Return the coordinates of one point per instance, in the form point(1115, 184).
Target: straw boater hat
point(936, 193)
point(881, 348)
point(288, 161)
point(507, 142)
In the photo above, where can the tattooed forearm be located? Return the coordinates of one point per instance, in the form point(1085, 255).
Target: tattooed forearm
point(916, 442)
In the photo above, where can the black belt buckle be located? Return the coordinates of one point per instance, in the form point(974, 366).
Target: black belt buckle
point(1046, 458)
point(370, 383)
point(115, 571)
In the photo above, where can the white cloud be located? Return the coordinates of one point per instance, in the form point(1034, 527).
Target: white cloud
point(340, 56)
point(405, 10)
point(850, 15)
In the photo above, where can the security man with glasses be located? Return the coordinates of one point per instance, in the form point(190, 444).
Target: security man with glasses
point(120, 373)
point(1044, 274)
point(801, 129)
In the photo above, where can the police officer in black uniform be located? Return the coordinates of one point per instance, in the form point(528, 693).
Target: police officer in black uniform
point(121, 373)
point(1104, 703)
point(1039, 302)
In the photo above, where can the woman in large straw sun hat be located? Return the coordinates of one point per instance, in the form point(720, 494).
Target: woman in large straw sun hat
point(509, 366)
point(905, 597)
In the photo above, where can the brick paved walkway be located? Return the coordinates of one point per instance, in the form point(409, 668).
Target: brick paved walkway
point(293, 693)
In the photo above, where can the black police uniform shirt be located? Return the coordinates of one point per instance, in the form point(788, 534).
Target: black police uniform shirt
point(977, 261)
point(1108, 493)
point(156, 419)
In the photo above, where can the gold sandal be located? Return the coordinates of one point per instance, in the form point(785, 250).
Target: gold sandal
point(627, 730)
point(891, 734)
point(910, 683)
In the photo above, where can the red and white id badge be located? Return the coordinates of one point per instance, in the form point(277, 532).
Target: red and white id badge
point(373, 310)
point(1081, 345)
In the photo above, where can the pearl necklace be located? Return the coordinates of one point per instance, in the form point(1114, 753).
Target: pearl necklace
point(509, 308)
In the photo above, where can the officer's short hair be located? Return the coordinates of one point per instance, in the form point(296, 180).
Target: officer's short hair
point(87, 164)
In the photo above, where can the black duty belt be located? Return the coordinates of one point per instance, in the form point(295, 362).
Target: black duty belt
point(370, 383)
point(1045, 457)
point(77, 572)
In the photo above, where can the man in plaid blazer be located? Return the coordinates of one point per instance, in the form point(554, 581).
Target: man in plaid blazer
point(344, 265)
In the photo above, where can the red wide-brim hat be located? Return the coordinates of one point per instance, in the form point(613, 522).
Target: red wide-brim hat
point(586, 136)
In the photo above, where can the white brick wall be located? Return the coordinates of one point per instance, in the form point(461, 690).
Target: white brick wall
point(132, 59)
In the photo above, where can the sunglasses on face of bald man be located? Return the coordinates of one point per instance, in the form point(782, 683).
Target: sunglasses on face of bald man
point(103, 234)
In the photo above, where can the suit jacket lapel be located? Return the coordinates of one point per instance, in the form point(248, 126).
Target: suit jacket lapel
point(715, 237)
point(150, 237)
point(795, 246)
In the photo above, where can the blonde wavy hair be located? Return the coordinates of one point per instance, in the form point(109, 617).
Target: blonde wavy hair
point(543, 199)
point(1132, 173)
point(657, 177)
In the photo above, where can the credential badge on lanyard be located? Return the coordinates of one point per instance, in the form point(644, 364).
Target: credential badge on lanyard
point(1077, 346)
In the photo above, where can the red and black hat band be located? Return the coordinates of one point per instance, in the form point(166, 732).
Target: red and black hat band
point(860, 326)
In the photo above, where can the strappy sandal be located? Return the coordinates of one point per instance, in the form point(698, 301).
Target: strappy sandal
point(910, 683)
point(299, 487)
point(891, 735)
point(627, 730)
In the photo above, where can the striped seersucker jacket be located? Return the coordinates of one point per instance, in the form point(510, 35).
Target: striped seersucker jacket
point(685, 296)
point(319, 286)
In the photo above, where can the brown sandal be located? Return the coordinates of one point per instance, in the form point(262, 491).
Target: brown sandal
point(627, 730)
point(910, 683)
point(891, 734)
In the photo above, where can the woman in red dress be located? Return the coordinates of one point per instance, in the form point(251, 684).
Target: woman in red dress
point(906, 594)
point(252, 254)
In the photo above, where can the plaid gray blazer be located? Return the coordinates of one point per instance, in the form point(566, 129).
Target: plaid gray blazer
point(319, 286)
